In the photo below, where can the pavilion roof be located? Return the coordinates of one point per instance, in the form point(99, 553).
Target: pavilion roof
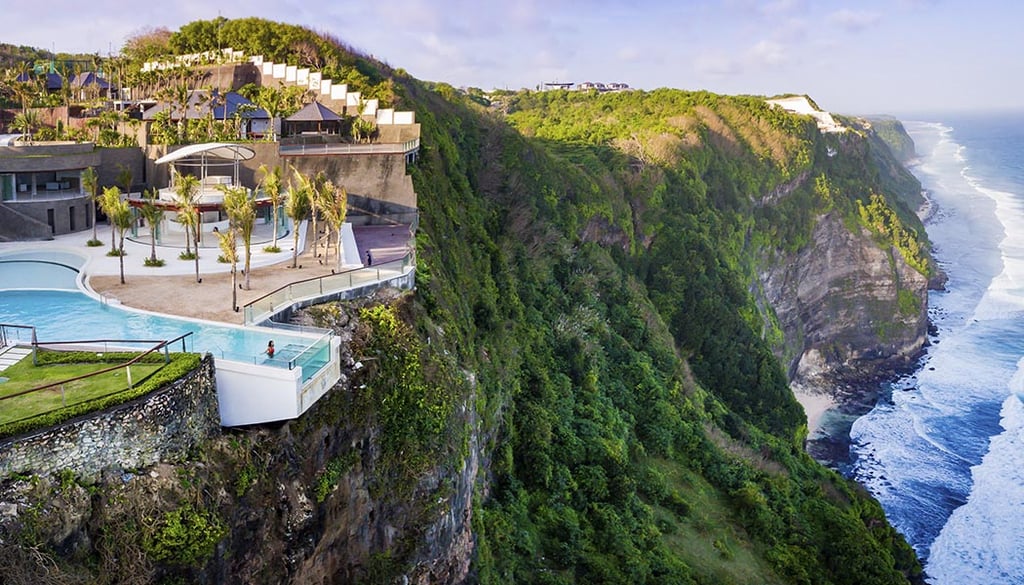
point(314, 112)
point(216, 149)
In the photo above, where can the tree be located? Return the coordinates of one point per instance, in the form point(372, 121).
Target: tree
point(147, 43)
point(124, 181)
point(91, 182)
point(120, 214)
point(271, 100)
point(26, 123)
point(229, 249)
point(241, 209)
point(316, 203)
point(153, 216)
point(304, 184)
point(272, 189)
point(296, 207)
point(335, 210)
point(362, 129)
point(186, 187)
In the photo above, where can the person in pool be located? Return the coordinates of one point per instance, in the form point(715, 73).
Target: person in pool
point(270, 349)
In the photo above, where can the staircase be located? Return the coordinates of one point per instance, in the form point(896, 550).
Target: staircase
point(11, 355)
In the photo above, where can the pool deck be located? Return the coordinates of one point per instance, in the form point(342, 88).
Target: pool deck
point(172, 289)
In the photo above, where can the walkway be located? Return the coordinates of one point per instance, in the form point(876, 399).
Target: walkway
point(12, 355)
point(172, 289)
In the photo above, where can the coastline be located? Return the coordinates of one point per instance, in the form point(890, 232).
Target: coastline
point(833, 406)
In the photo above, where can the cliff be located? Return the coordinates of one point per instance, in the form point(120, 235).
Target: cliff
point(586, 386)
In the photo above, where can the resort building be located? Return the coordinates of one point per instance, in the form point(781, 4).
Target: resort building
point(43, 196)
point(41, 192)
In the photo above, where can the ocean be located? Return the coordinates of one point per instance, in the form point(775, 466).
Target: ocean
point(944, 451)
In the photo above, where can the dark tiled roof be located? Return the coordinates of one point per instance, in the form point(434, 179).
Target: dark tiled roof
point(314, 112)
point(200, 105)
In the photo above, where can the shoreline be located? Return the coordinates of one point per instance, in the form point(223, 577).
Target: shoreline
point(832, 407)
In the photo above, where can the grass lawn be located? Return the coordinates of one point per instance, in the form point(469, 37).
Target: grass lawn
point(24, 375)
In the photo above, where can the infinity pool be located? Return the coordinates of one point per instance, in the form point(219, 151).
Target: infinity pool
point(41, 290)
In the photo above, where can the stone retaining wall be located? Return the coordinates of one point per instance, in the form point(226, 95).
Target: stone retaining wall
point(160, 426)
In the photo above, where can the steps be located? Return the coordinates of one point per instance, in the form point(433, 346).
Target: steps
point(11, 355)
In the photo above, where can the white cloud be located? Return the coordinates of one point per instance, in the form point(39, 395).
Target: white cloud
point(776, 7)
point(854, 21)
point(716, 64)
point(630, 54)
point(767, 53)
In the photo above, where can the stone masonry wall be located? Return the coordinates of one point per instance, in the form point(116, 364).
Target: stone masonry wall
point(157, 427)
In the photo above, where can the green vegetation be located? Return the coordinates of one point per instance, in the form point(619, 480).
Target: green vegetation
point(327, 479)
point(412, 394)
point(878, 217)
point(594, 275)
point(184, 536)
point(49, 407)
point(586, 304)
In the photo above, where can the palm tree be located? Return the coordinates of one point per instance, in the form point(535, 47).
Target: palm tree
point(335, 211)
point(229, 250)
point(91, 182)
point(296, 207)
point(124, 180)
point(241, 209)
point(272, 188)
point(105, 201)
point(186, 187)
point(271, 100)
point(153, 216)
point(26, 122)
point(321, 195)
point(309, 187)
point(120, 214)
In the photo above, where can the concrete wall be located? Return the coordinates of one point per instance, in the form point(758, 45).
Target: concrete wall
point(111, 160)
point(15, 226)
point(376, 176)
point(63, 212)
point(49, 157)
point(160, 426)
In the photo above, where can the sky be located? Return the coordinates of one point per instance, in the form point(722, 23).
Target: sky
point(870, 57)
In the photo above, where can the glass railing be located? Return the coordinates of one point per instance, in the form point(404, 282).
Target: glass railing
point(266, 306)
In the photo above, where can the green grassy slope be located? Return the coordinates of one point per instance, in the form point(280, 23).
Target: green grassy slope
point(581, 285)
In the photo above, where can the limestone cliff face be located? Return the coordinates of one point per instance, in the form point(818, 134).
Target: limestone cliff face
point(850, 309)
point(307, 501)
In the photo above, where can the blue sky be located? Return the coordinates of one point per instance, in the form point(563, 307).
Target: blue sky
point(895, 56)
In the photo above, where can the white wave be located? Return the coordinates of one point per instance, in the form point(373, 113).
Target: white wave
point(983, 540)
point(915, 454)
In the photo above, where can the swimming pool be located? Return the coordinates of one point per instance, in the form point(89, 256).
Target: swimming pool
point(40, 270)
point(41, 290)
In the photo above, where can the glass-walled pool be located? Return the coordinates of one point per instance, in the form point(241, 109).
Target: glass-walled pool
point(43, 293)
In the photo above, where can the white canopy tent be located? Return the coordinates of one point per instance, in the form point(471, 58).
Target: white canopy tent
point(199, 155)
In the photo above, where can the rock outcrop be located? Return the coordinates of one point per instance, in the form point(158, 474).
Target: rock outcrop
point(850, 309)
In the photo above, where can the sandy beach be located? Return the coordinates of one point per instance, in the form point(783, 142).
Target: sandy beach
point(815, 403)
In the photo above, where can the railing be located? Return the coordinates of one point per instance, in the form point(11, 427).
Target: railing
point(321, 149)
point(164, 345)
point(45, 195)
point(266, 306)
point(16, 334)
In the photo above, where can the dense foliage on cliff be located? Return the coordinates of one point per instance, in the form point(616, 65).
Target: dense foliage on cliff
point(582, 271)
point(584, 291)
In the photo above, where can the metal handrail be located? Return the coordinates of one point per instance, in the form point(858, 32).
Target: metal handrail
point(159, 345)
point(5, 326)
point(402, 262)
point(314, 149)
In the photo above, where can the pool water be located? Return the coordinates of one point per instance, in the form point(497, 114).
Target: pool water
point(45, 295)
